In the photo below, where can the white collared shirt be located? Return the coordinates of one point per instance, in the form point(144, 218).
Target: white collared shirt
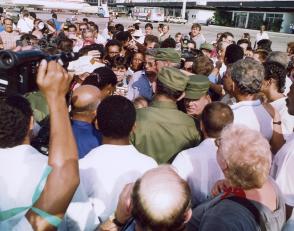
point(105, 170)
point(286, 118)
point(21, 169)
point(253, 115)
point(198, 166)
point(283, 170)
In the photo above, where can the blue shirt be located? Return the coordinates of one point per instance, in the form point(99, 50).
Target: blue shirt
point(86, 135)
point(1, 28)
point(57, 24)
point(140, 86)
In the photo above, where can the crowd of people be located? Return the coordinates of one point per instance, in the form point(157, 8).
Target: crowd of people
point(146, 131)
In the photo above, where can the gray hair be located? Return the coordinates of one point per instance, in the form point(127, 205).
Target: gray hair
point(248, 74)
point(151, 52)
point(279, 57)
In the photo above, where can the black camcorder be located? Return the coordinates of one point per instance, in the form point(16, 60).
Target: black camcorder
point(18, 69)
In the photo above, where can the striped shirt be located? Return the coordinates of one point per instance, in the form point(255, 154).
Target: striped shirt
point(8, 39)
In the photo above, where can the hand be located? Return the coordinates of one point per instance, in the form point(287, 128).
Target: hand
point(133, 46)
point(24, 48)
point(124, 207)
point(95, 54)
point(108, 226)
point(218, 64)
point(219, 187)
point(53, 80)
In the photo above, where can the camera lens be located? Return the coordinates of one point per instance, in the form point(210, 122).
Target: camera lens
point(6, 60)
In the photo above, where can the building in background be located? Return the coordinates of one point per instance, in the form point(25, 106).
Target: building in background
point(277, 15)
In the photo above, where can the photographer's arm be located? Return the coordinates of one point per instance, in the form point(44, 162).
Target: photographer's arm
point(62, 182)
point(51, 28)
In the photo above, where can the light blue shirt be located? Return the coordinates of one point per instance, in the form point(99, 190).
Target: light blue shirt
point(140, 86)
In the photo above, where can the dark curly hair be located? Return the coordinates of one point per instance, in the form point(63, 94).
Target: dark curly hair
point(101, 78)
point(15, 116)
point(276, 71)
point(116, 116)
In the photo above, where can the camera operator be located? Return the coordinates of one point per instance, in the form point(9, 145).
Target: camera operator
point(17, 156)
point(42, 29)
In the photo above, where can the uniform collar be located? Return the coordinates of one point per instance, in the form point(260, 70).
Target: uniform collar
point(164, 104)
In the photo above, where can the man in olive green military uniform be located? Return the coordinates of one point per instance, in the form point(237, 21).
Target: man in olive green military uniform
point(162, 130)
point(196, 97)
point(167, 57)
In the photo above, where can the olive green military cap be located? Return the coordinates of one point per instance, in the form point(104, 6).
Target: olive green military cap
point(206, 46)
point(197, 87)
point(168, 54)
point(173, 78)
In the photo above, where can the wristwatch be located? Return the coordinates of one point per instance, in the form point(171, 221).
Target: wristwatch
point(277, 122)
point(115, 221)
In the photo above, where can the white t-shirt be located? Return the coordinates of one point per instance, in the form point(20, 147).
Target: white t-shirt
point(25, 25)
point(283, 170)
point(253, 115)
point(105, 170)
point(286, 118)
point(21, 169)
point(100, 40)
point(287, 85)
point(260, 36)
point(199, 167)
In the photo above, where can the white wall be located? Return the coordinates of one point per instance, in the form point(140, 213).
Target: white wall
point(199, 16)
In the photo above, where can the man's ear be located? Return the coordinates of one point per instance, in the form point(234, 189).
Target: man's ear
point(187, 215)
point(96, 123)
point(233, 86)
point(32, 123)
point(208, 98)
point(223, 164)
point(202, 127)
point(134, 128)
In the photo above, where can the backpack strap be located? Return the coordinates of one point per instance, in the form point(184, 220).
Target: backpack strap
point(51, 219)
point(250, 207)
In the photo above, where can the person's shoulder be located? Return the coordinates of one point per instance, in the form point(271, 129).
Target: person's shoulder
point(143, 113)
point(95, 153)
point(141, 156)
point(139, 74)
point(22, 150)
point(185, 118)
point(228, 215)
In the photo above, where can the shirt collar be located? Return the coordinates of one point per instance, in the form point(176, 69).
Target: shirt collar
point(164, 104)
point(81, 123)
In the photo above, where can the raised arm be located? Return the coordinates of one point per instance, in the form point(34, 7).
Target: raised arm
point(63, 181)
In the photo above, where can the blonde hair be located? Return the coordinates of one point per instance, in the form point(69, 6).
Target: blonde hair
point(247, 154)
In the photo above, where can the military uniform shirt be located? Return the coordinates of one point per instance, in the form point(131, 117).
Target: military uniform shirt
point(163, 131)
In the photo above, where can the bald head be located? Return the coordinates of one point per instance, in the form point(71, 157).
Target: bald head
point(85, 98)
point(161, 199)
